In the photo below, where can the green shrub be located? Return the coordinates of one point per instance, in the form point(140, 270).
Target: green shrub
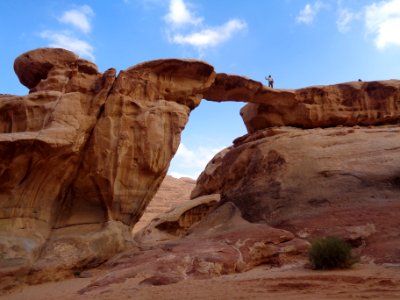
point(330, 253)
point(77, 274)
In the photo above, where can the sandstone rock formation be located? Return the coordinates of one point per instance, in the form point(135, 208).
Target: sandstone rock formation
point(341, 181)
point(84, 152)
point(175, 223)
point(172, 193)
point(346, 104)
point(221, 243)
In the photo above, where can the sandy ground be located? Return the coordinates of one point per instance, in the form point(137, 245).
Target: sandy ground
point(361, 282)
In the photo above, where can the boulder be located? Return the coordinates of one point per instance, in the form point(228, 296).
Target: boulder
point(34, 66)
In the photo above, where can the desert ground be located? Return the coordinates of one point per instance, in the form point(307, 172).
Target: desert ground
point(362, 281)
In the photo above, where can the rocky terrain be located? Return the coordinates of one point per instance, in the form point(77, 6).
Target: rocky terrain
point(83, 154)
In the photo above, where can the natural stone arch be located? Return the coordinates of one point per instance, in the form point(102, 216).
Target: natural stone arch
point(87, 153)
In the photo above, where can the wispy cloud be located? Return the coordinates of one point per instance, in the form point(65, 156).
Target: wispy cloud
point(191, 162)
point(345, 17)
point(308, 13)
point(382, 19)
point(185, 28)
point(73, 37)
point(67, 41)
point(79, 18)
point(179, 14)
point(210, 37)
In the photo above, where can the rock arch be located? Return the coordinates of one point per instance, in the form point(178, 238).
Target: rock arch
point(84, 152)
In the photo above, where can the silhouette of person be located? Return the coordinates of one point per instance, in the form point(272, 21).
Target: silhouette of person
point(270, 81)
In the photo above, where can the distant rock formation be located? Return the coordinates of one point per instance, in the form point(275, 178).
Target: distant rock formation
point(176, 222)
point(172, 193)
point(83, 154)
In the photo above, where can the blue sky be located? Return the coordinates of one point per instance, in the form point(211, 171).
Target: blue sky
point(301, 43)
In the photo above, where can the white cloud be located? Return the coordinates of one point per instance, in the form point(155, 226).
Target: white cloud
point(67, 41)
point(308, 13)
point(190, 163)
point(382, 19)
point(79, 18)
point(179, 14)
point(184, 28)
point(210, 37)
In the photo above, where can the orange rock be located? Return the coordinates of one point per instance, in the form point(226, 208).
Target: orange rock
point(346, 104)
point(34, 66)
point(172, 193)
point(335, 181)
point(84, 153)
point(175, 223)
point(222, 243)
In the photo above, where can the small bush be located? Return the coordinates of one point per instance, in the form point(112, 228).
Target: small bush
point(330, 253)
point(77, 274)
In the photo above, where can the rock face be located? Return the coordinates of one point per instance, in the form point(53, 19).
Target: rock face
point(175, 223)
point(337, 181)
point(342, 180)
point(172, 193)
point(346, 104)
point(222, 243)
point(84, 153)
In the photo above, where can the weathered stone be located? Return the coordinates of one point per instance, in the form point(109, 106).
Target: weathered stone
point(221, 243)
point(84, 153)
point(42, 139)
point(135, 138)
point(172, 193)
point(347, 104)
point(34, 66)
point(237, 88)
point(175, 223)
point(335, 181)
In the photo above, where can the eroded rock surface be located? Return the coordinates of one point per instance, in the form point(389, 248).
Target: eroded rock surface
point(337, 181)
point(175, 223)
point(346, 104)
point(172, 193)
point(84, 153)
point(222, 243)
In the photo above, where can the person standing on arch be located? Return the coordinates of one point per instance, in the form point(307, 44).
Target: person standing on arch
point(270, 81)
